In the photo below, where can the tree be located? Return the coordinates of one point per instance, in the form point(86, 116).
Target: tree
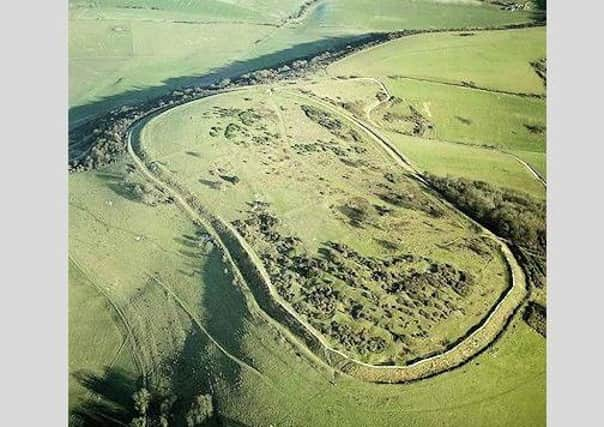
point(138, 422)
point(201, 410)
point(141, 398)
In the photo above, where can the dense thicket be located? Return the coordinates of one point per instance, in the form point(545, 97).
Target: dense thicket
point(116, 398)
point(156, 410)
point(512, 215)
point(536, 317)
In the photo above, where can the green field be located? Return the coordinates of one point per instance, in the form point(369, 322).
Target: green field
point(494, 60)
point(504, 386)
point(483, 164)
point(426, 74)
point(123, 51)
point(385, 210)
point(96, 340)
point(471, 117)
point(387, 15)
point(322, 180)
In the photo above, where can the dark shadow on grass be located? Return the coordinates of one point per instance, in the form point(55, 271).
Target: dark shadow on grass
point(111, 403)
point(234, 69)
point(200, 362)
point(117, 184)
point(111, 398)
point(214, 185)
point(188, 242)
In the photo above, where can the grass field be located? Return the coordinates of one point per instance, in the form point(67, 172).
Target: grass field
point(362, 16)
point(483, 164)
point(494, 60)
point(377, 264)
point(475, 134)
point(463, 397)
point(470, 116)
point(127, 264)
point(124, 51)
point(537, 160)
point(425, 77)
point(504, 386)
point(257, 163)
point(95, 339)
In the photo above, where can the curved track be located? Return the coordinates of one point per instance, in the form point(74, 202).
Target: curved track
point(473, 344)
point(378, 103)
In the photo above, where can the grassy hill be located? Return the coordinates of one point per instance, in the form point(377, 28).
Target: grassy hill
point(355, 243)
point(125, 51)
point(468, 92)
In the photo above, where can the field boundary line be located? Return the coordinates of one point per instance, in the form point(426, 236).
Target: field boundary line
point(207, 224)
point(383, 86)
point(505, 27)
point(532, 170)
point(197, 323)
point(469, 87)
point(129, 333)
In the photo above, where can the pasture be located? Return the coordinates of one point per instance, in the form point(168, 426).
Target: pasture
point(477, 163)
point(123, 51)
point(456, 103)
point(503, 386)
point(492, 60)
point(135, 280)
point(241, 151)
point(353, 242)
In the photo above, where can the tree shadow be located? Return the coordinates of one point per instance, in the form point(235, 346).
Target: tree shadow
point(200, 363)
point(214, 185)
point(198, 368)
point(111, 401)
point(231, 70)
point(117, 183)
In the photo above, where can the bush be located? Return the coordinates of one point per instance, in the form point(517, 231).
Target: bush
point(510, 214)
point(535, 316)
point(201, 410)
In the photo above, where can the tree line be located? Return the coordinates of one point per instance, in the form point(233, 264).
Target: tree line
point(515, 216)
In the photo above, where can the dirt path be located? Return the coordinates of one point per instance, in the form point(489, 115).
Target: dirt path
point(378, 103)
point(277, 110)
point(122, 317)
point(532, 170)
point(203, 330)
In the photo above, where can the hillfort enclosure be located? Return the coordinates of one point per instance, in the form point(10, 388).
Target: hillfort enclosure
point(319, 212)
